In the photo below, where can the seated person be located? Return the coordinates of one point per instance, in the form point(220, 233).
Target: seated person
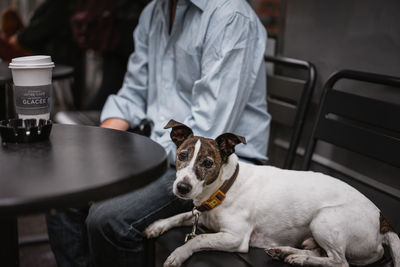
point(199, 62)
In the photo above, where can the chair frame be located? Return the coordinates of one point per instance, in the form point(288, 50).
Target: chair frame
point(361, 119)
point(302, 106)
point(388, 142)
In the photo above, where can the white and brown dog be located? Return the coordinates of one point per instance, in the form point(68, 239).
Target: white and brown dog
point(266, 207)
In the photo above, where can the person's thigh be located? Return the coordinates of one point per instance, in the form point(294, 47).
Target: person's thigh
point(115, 226)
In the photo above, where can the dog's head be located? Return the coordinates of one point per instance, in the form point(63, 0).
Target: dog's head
point(199, 160)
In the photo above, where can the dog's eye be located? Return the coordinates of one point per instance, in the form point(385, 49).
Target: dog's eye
point(207, 163)
point(183, 156)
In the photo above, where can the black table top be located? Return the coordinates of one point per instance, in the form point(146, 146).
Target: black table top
point(78, 164)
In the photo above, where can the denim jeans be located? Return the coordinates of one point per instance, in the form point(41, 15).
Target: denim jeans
point(110, 234)
point(68, 237)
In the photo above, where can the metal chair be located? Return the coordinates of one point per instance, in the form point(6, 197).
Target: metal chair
point(359, 122)
point(362, 124)
point(288, 100)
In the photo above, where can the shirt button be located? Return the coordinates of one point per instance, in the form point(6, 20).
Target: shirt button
point(166, 86)
point(162, 118)
point(169, 52)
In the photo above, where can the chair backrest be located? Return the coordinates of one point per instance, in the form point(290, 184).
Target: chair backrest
point(365, 125)
point(288, 98)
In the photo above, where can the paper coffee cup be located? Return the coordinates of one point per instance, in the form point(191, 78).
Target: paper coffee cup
point(32, 86)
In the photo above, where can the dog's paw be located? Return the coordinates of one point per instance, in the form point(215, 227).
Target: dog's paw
point(273, 253)
point(177, 258)
point(156, 229)
point(296, 259)
point(278, 253)
point(172, 262)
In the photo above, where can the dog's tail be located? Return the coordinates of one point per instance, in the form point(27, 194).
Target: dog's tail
point(392, 240)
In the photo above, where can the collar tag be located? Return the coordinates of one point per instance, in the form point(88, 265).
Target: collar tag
point(215, 199)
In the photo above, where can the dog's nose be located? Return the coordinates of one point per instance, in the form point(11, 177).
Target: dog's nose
point(183, 188)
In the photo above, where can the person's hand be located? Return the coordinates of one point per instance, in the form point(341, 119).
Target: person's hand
point(13, 40)
point(115, 123)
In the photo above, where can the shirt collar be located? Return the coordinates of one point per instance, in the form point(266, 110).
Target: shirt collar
point(200, 3)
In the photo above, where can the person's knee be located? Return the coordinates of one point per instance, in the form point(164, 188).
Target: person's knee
point(108, 227)
point(109, 222)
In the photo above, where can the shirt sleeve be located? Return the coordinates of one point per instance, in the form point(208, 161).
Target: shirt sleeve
point(232, 57)
point(130, 102)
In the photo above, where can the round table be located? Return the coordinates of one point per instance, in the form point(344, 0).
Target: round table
point(77, 165)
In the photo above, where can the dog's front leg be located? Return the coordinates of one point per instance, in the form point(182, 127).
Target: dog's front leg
point(161, 226)
point(219, 241)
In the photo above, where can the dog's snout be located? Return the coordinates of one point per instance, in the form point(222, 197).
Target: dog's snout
point(183, 188)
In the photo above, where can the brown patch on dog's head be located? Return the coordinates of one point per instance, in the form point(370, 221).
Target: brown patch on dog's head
point(208, 160)
point(185, 152)
point(384, 225)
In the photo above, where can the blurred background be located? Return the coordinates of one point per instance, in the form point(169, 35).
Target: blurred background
point(331, 34)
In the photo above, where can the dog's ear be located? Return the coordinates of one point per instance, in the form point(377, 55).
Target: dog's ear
point(227, 142)
point(180, 132)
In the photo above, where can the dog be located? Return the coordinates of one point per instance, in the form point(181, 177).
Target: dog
point(271, 208)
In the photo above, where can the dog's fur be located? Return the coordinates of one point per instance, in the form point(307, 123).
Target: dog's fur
point(279, 210)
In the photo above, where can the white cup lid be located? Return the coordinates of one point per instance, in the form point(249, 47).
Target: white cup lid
point(31, 62)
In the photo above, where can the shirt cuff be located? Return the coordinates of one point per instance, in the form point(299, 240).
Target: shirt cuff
point(113, 108)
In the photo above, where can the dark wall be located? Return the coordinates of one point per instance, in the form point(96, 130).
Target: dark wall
point(354, 34)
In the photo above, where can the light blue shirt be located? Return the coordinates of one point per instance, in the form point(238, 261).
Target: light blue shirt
point(209, 74)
